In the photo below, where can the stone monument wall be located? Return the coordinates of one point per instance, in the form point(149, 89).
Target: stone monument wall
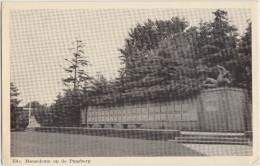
point(180, 114)
point(215, 110)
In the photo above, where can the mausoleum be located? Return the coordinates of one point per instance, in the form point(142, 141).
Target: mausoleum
point(221, 109)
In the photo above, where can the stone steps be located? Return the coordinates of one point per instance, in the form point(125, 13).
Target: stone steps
point(210, 142)
point(212, 138)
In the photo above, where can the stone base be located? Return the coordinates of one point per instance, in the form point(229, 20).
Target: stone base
point(33, 123)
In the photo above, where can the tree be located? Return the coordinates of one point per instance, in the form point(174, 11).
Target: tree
point(78, 76)
point(144, 38)
point(169, 71)
point(245, 60)
point(14, 96)
point(14, 102)
point(67, 109)
point(137, 56)
point(218, 43)
point(69, 106)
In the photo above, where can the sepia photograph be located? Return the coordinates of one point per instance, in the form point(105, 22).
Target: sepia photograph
point(129, 82)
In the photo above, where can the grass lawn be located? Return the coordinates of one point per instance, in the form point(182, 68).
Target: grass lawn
point(41, 144)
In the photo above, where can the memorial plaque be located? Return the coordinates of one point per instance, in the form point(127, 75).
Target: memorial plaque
point(115, 112)
point(110, 112)
point(111, 118)
point(139, 118)
point(138, 110)
point(189, 116)
point(163, 117)
point(99, 119)
point(177, 108)
point(134, 118)
point(178, 116)
point(151, 110)
point(151, 117)
point(145, 111)
point(144, 117)
point(211, 104)
point(157, 117)
point(164, 109)
point(170, 109)
point(186, 108)
point(170, 117)
point(129, 118)
point(115, 118)
point(119, 112)
point(128, 111)
point(119, 118)
point(123, 118)
point(106, 119)
point(157, 109)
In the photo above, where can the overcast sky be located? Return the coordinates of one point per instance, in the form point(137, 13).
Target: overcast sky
point(40, 40)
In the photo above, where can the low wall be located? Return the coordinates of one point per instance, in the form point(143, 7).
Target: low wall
point(124, 133)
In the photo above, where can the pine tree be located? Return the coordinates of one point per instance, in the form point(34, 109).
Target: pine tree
point(245, 60)
point(218, 43)
point(78, 75)
point(14, 102)
point(14, 96)
point(70, 106)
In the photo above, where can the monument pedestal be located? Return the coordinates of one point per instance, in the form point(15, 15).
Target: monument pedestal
point(33, 123)
point(223, 110)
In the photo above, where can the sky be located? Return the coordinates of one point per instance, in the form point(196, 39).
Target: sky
point(40, 41)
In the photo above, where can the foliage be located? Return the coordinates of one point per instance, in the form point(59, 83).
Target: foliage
point(14, 96)
point(66, 109)
point(218, 45)
point(245, 60)
point(14, 102)
point(78, 76)
point(163, 60)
